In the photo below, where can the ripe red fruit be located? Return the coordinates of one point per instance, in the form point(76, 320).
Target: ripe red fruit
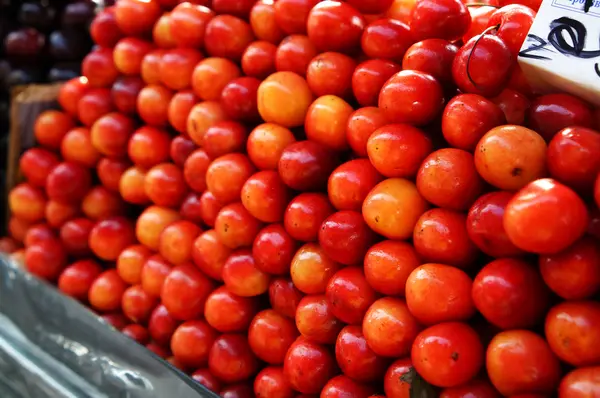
point(551, 113)
point(545, 217)
point(187, 23)
point(273, 250)
point(231, 359)
point(448, 354)
point(284, 297)
point(209, 254)
point(104, 29)
point(46, 259)
point(411, 97)
point(432, 56)
point(130, 263)
point(355, 358)
point(227, 312)
point(136, 17)
point(27, 202)
point(386, 39)
point(580, 381)
point(265, 196)
point(305, 214)
point(361, 124)
point(306, 165)
point(315, 320)
point(227, 36)
point(241, 276)
point(68, 183)
point(110, 134)
point(162, 325)
point(514, 22)
point(176, 241)
point(271, 382)
point(137, 304)
point(164, 185)
point(439, 19)
point(264, 24)
point(335, 26)
point(349, 295)
point(345, 237)
point(192, 342)
point(50, 127)
point(368, 78)
point(77, 279)
point(344, 385)
point(350, 184)
point(149, 146)
point(74, 235)
point(106, 292)
point(308, 366)
point(388, 264)
point(184, 292)
point(270, 336)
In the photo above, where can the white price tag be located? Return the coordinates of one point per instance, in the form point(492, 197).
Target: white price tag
point(562, 50)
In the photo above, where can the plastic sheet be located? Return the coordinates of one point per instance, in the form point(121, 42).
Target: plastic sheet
point(53, 347)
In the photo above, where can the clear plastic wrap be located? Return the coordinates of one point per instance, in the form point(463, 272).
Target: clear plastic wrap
point(52, 346)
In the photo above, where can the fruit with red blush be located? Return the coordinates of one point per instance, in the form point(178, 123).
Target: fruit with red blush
point(315, 320)
point(305, 165)
point(270, 336)
point(210, 208)
point(574, 273)
point(483, 65)
point(350, 183)
point(104, 29)
point(50, 127)
point(369, 77)
point(397, 150)
point(485, 225)
point(308, 366)
point(130, 263)
point(161, 325)
point(242, 277)
point(165, 185)
point(38, 233)
point(18, 228)
point(259, 59)
point(284, 297)
point(36, 164)
point(393, 315)
point(8, 245)
point(571, 329)
point(152, 222)
point(355, 358)
point(340, 385)
point(94, 104)
point(227, 312)
point(273, 250)
point(349, 295)
point(204, 377)
point(136, 17)
point(263, 22)
point(439, 19)
point(431, 284)
point(46, 259)
point(432, 56)
point(271, 382)
point(211, 75)
point(188, 24)
point(388, 264)
point(76, 280)
point(58, 213)
point(129, 53)
point(311, 269)
point(266, 143)
point(545, 217)
point(224, 137)
point(77, 147)
point(480, 16)
point(305, 214)
point(226, 176)
point(411, 97)
point(326, 121)
point(150, 68)
point(239, 101)
point(27, 202)
point(551, 113)
point(176, 67)
point(180, 149)
point(467, 118)
point(99, 68)
point(294, 54)
point(100, 203)
point(511, 352)
point(394, 381)
point(110, 237)
point(68, 183)
point(192, 342)
point(283, 99)
point(110, 171)
point(190, 208)
point(345, 237)
point(448, 354)
point(201, 117)
point(335, 26)
point(71, 92)
point(386, 39)
point(184, 292)
point(514, 22)
point(138, 305)
point(153, 104)
point(179, 109)
point(131, 186)
point(579, 382)
point(194, 170)
point(154, 272)
point(361, 124)
point(161, 32)
point(572, 159)
point(231, 359)
point(110, 134)
point(510, 294)
point(209, 254)
point(149, 146)
point(106, 292)
point(176, 240)
point(331, 73)
point(227, 36)
point(137, 333)
point(74, 235)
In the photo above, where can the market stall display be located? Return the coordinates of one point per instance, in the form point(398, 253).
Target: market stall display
point(302, 198)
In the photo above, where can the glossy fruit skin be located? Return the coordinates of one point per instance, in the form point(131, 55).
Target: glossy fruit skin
point(308, 366)
point(393, 383)
point(106, 291)
point(574, 273)
point(393, 207)
point(236, 227)
point(283, 296)
point(467, 118)
point(368, 79)
point(265, 196)
point(397, 150)
point(226, 175)
point(509, 157)
point(162, 325)
point(510, 294)
point(345, 237)
point(343, 385)
point(270, 336)
point(311, 269)
point(93, 105)
point(476, 71)
point(291, 15)
point(355, 358)
point(349, 295)
point(135, 17)
point(74, 235)
point(326, 120)
point(77, 279)
point(306, 165)
point(46, 259)
point(227, 312)
point(478, 388)
point(335, 26)
point(571, 158)
point(211, 75)
point(350, 183)
point(440, 281)
point(209, 254)
point(188, 24)
point(242, 277)
point(137, 305)
point(386, 39)
point(447, 178)
point(553, 112)
point(331, 73)
point(68, 183)
point(273, 250)
point(259, 59)
point(411, 97)
point(388, 264)
point(195, 168)
point(448, 354)
point(514, 20)
point(227, 36)
point(432, 56)
point(305, 214)
point(36, 164)
point(191, 343)
point(315, 320)
point(204, 377)
point(521, 362)
point(184, 292)
point(559, 215)
point(284, 88)
point(294, 54)
point(224, 137)
point(71, 92)
point(485, 225)
point(271, 382)
point(441, 19)
point(580, 383)
point(179, 109)
point(27, 202)
point(238, 98)
point(571, 331)
point(266, 143)
point(263, 21)
point(441, 236)
point(393, 315)
point(50, 127)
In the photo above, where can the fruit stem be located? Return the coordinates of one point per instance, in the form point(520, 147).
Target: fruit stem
point(485, 32)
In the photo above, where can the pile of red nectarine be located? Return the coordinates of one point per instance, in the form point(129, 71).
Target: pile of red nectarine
point(303, 198)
